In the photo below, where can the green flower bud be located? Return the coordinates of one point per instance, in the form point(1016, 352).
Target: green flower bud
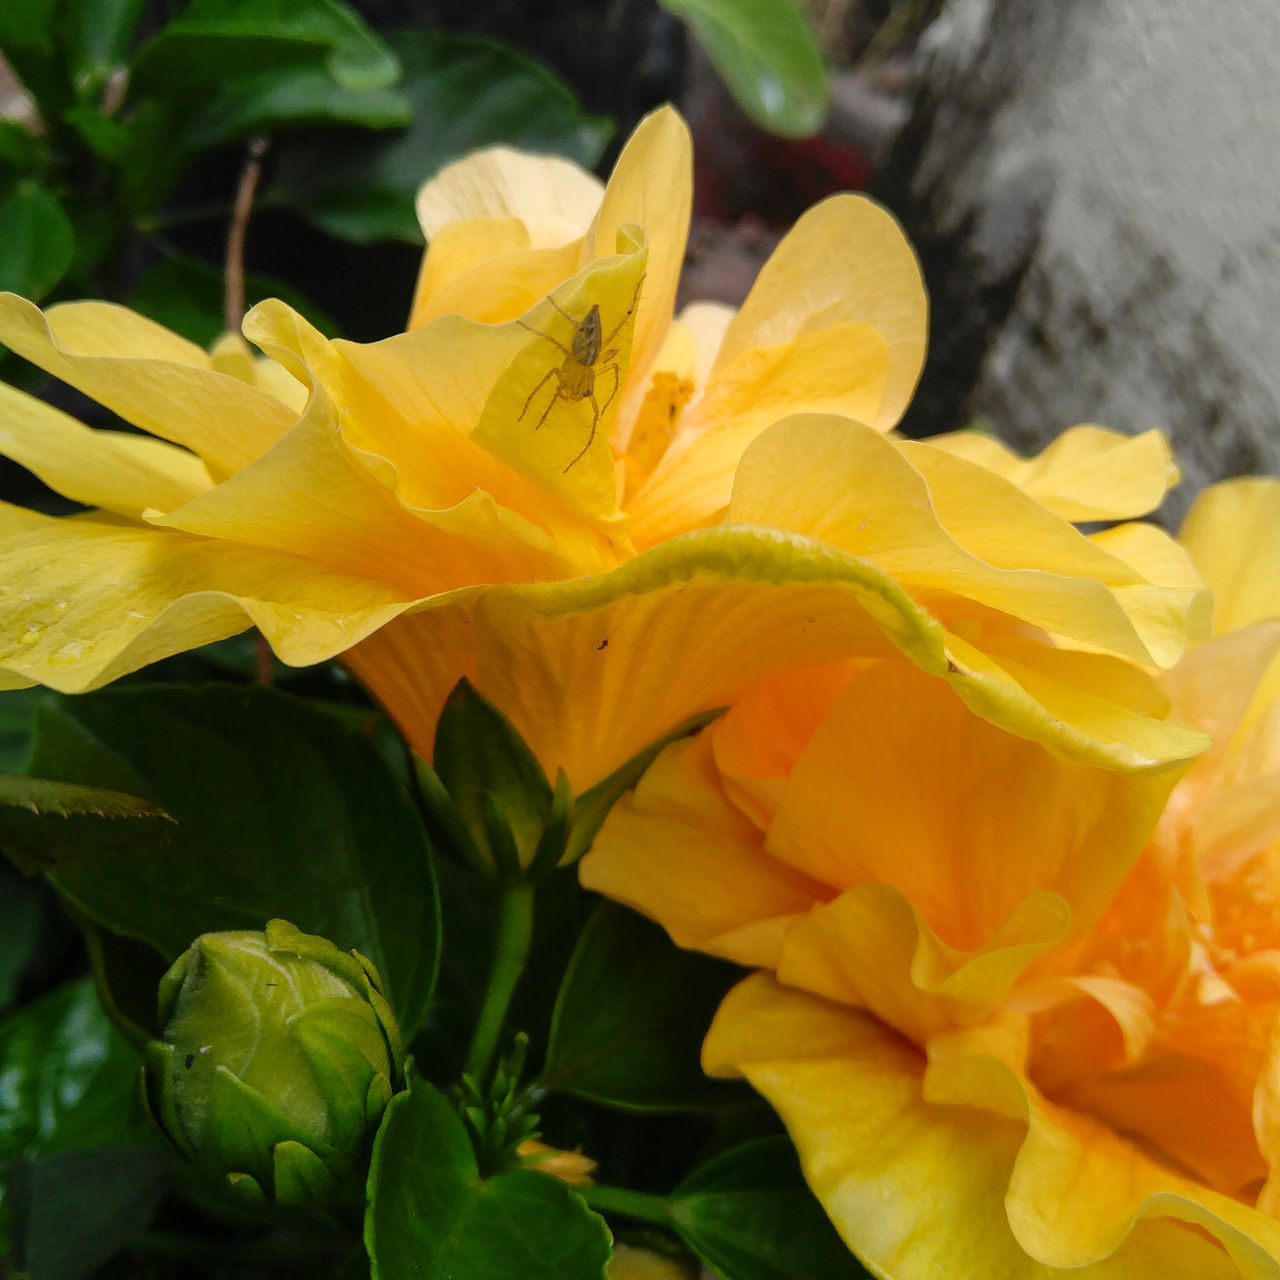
point(278, 1058)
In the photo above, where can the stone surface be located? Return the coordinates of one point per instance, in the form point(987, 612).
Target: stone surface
point(1095, 189)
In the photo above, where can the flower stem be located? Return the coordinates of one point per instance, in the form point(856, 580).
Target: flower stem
point(511, 941)
point(631, 1204)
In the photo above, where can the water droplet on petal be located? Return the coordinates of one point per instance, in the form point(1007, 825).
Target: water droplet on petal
point(72, 651)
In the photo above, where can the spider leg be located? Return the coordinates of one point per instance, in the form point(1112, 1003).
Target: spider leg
point(561, 310)
point(617, 381)
point(591, 435)
point(551, 373)
point(626, 315)
point(554, 342)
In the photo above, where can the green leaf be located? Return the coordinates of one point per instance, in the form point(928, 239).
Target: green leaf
point(631, 1015)
point(748, 1214)
point(495, 782)
point(432, 1217)
point(466, 93)
point(22, 915)
point(292, 98)
point(74, 1210)
point(186, 295)
point(282, 810)
point(767, 56)
point(48, 824)
point(36, 247)
point(213, 41)
point(67, 1077)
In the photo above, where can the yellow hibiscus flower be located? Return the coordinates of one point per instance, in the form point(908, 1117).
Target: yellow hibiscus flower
point(606, 518)
point(1019, 1014)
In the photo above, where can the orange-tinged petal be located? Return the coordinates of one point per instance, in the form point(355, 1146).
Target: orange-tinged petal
point(1077, 1188)
point(1087, 473)
point(871, 949)
point(841, 369)
point(835, 480)
point(676, 836)
point(148, 376)
point(845, 261)
point(123, 473)
point(1233, 534)
point(904, 785)
point(917, 1188)
point(651, 187)
point(103, 598)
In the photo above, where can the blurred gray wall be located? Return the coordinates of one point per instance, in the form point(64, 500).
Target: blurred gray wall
point(1095, 189)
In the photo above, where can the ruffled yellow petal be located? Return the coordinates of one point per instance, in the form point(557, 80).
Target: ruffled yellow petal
point(434, 416)
point(902, 784)
point(918, 1188)
point(592, 671)
point(939, 523)
point(1078, 1189)
point(677, 835)
point(149, 377)
point(1087, 473)
point(841, 369)
point(101, 598)
point(1233, 534)
point(232, 355)
point(123, 473)
point(845, 261)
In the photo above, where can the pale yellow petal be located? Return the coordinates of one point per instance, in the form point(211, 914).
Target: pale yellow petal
point(707, 323)
point(499, 182)
point(1233, 535)
point(846, 261)
point(916, 1188)
point(122, 473)
point(149, 377)
point(93, 599)
point(1086, 473)
point(231, 355)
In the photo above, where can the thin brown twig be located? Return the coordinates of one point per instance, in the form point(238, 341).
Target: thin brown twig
point(236, 233)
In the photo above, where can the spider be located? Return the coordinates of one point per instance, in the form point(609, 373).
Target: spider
point(588, 356)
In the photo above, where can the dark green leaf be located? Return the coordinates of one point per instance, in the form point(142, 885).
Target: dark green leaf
point(186, 295)
point(22, 912)
point(49, 824)
point(212, 41)
point(67, 1077)
point(496, 784)
point(767, 56)
point(20, 149)
point(749, 1214)
point(466, 93)
point(432, 1217)
point(99, 34)
point(631, 1015)
point(282, 811)
point(71, 1212)
point(17, 706)
point(36, 247)
point(28, 37)
point(106, 138)
point(291, 98)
